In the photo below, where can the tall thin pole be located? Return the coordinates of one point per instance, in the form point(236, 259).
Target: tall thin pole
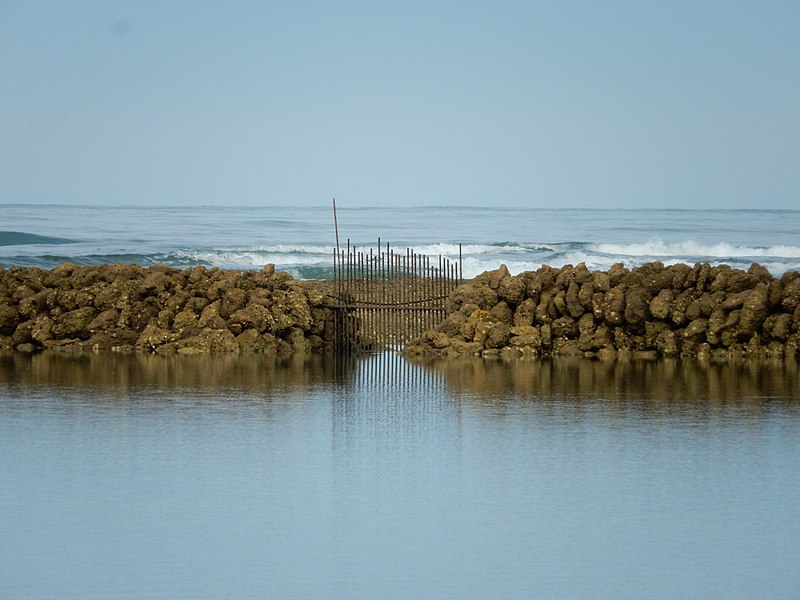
point(336, 224)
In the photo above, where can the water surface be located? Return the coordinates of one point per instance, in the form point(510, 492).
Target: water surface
point(212, 477)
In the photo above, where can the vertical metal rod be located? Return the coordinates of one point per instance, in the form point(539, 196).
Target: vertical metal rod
point(428, 280)
point(336, 223)
point(398, 321)
point(368, 313)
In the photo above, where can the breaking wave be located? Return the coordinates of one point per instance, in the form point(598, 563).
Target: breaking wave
point(691, 248)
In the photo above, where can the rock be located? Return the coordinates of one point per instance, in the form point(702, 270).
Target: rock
point(154, 283)
point(636, 305)
point(585, 295)
point(545, 311)
point(251, 341)
point(210, 318)
point(564, 327)
point(667, 343)
point(10, 317)
point(436, 339)
point(105, 320)
point(680, 304)
point(474, 293)
point(498, 335)
point(660, 305)
point(209, 341)
point(525, 312)
point(185, 318)
point(696, 329)
point(754, 311)
point(512, 289)
point(153, 337)
point(616, 274)
point(494, 278)
point(778, 326)
point(791, 295)
point(233, 299)
point(676, 310)
point(614, 305)
point(254, 316)
point(474, 322)
point(574, 305)
point(42, 329)
point(452, 325)
point(74, 323)
point(525, 335)
point(503, 313)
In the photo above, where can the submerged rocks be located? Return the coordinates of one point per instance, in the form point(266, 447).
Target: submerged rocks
point(126, 308)
point(652, 310)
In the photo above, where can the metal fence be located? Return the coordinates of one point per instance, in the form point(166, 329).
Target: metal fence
point(386, 298)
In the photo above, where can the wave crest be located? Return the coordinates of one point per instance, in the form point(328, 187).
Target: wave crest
point(692, 248)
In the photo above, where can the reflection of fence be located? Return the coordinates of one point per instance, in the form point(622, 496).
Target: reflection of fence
point(386, 298)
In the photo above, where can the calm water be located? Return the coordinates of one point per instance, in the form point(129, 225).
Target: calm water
point(226, 477)
point(300, 239)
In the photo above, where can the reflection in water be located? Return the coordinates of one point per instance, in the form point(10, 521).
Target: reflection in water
point(381, 477)
point(396, 433)
point(665, 380)
point(391, 385)
point(223, 371)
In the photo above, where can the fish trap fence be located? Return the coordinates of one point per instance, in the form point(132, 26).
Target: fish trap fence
point(385, 298)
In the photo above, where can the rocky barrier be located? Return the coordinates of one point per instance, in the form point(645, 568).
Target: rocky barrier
point(647, 311)
point(127, 308)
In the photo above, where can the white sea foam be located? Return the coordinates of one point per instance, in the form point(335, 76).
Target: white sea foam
point(251, 259)
point(656, 247)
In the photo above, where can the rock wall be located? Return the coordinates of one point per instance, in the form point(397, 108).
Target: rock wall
point(128, 308)
point(651, 310)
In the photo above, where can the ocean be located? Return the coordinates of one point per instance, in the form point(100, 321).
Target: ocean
point(228, 476)
point(300, 240)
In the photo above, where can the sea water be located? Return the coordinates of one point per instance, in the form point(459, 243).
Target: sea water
point(300, 240)
point(232, 477)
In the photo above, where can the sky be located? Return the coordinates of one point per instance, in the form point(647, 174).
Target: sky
point(580, 104)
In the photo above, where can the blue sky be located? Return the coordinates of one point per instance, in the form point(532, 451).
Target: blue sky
point(577, 104)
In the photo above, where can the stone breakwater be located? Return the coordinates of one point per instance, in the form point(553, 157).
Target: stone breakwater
point(127, 308)
point(647, 311)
